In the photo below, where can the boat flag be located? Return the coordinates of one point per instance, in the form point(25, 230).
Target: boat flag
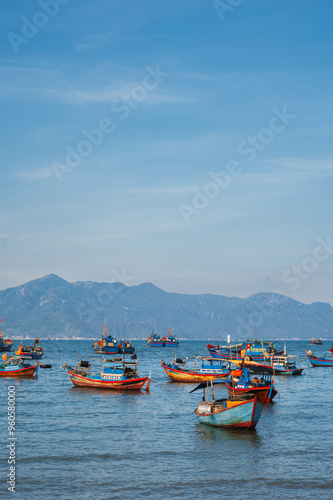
point(203, 385)
point(248, 345)
point(19, 351)
point(4, 356)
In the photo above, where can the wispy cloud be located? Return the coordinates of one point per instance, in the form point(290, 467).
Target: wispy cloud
point(34, 174)
point(305, 164)
point(286, 171)
point(138, 230)
point(121, 91)
point(148, 190)
point(57, 84)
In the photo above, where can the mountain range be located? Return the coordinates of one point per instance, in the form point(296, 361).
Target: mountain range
point(51, 307)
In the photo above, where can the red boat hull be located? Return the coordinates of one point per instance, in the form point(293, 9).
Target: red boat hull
point(114, 385)
point(262, 393)
point(22, 372)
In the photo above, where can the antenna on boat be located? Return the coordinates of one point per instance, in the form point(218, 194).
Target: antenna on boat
point(105, 331)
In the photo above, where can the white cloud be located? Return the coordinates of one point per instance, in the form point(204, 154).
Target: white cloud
point(34, 174)
point(112, 93)
point(168, 190)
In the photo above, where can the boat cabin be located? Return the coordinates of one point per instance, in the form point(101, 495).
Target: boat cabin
point(118, 369)
point(212, 365)
point(245, 381)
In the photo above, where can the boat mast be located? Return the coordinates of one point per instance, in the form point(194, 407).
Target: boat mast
point(211, 384)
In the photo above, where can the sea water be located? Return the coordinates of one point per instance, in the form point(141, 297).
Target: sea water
point(75, 443)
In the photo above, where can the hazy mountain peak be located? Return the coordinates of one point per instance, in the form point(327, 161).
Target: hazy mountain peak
point(53, 307)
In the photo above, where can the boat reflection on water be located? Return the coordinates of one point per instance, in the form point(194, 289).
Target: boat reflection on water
point(93, 393)
point(212, 435)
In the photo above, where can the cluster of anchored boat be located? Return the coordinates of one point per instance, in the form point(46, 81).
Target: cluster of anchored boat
point(246, 394)
point(20, 364)
point(116, 373)
point(247, 369)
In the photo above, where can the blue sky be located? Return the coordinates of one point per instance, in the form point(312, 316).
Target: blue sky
point(182, 89)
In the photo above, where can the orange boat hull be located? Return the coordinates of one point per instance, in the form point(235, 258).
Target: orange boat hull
point(22, 372)
point(262, 393)
point(115, 385)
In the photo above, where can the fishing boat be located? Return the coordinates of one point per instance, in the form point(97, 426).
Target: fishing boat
point(226, 413)
point(155, 340)
point(280, 365)
point(5, 344)
point(315, 361)
point(115, 374)
point(210, 369)
point(257, 350)
point(126, 347)
point(241, 384)
point(277, 365)
point(316, 341)
point(32, 352)
point(109, 345)
point(17, 366)
point(170, 340)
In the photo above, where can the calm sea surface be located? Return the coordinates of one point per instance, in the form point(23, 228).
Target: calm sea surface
point(78, 444)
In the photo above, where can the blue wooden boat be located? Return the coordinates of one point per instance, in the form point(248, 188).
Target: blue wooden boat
point(256, 350)
point(108, 344)
point(227, 413)
point(170, 340)
point(315, 361)
point(240, 384)
point(115, 374)
point(277, 365)
point(210, 369)
point(155, 340)
point(126, 347)
point(32, 352)
point(5, 344)
point(316, 341)
point(281, 365)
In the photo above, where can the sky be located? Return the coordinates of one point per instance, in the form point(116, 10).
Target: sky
point(185, 143)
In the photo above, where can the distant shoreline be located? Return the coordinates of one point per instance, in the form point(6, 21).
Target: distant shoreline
point(181, 339)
